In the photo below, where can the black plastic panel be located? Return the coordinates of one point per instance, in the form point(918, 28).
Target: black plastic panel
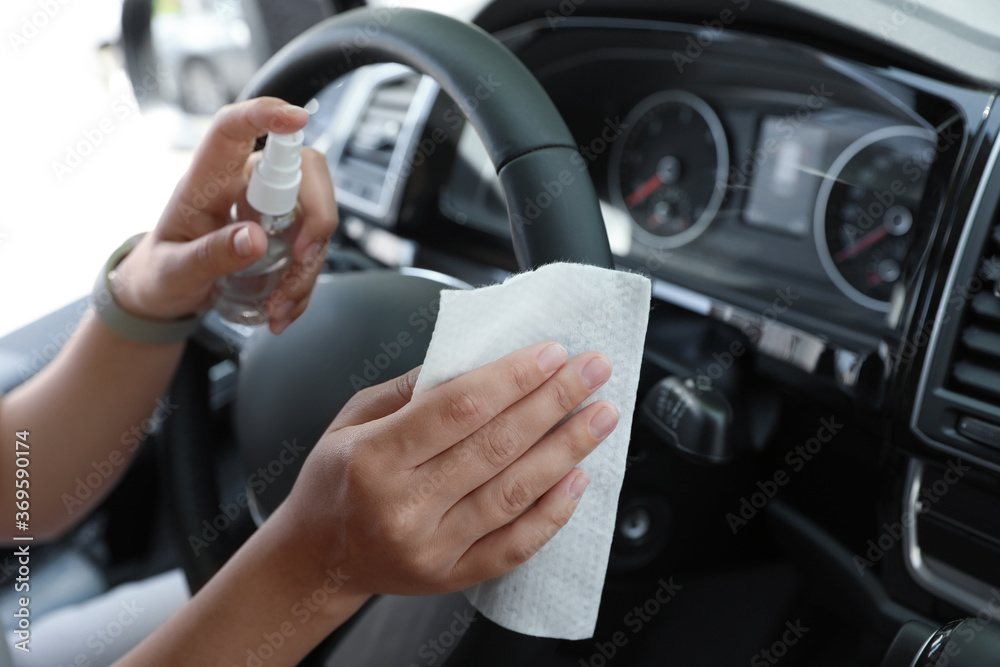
point(956, 383)
point(597, 70)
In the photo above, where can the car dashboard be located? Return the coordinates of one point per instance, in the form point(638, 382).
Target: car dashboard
point(787, 191)
point(739, 167)
point(819, 225)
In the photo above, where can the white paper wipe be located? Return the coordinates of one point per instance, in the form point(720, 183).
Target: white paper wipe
point(557, 592)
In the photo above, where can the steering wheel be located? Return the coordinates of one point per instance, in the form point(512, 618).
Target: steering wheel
point(290, 387)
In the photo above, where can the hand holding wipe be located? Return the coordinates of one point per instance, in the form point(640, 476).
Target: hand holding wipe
point(557, 592)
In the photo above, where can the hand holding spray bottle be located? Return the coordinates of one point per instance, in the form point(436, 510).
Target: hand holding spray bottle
point(272, 194)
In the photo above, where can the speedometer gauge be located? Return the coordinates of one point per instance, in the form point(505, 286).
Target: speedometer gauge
point(866, 208)
point(669, 171)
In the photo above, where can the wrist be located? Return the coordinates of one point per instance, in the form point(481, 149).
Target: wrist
point(266, 593)
point(130, 321)
point(127, 285)
point(320, 585)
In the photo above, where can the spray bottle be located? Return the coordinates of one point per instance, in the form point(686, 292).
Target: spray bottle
point(272, 194)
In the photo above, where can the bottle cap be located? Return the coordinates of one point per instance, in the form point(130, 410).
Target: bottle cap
point(274, 182)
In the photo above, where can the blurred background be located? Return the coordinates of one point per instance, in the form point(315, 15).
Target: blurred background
point(104, 102)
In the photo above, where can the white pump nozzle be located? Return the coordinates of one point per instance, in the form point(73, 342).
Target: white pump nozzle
point(274, 183)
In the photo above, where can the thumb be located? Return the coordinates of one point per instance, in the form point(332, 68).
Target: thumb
point(378, 401)
point(231, 248)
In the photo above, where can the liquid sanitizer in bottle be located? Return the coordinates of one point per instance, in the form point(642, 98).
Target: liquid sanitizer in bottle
point(272, 194)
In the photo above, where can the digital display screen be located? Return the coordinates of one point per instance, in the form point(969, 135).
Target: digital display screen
point(786, 170)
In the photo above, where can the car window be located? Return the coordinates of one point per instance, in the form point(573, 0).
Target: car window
point(96, 153)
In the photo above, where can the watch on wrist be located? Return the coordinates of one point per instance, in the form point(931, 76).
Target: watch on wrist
point(127, 325)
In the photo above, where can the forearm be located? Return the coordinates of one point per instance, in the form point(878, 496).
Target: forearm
point(271, 600)
point(89, 411)
point(95, 404)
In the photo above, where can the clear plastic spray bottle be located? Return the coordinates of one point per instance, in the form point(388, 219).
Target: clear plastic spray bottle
point(272, 194)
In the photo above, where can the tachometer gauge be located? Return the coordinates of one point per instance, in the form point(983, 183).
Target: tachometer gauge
point(669, 171)
point(866, 208)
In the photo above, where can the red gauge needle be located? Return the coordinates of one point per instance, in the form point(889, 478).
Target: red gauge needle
point(859, 245)
point(644, 190)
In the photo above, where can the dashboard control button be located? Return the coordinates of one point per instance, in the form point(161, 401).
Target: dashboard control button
point(982, 432)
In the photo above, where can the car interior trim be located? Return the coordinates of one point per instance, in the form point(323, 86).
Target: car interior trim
point(934, 575)
point(364, 83)
point(940, 315)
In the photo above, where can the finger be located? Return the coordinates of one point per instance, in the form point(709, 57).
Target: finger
point(507, 547)
point(319, 207)
point(248, 167)
point(485, 453)
point(378, 401)
point(223, 251)
point(440, 417)
point(216, 174)
point(281, 309)
point(286, 313)
point(292, 293)
point(510, 493)
point(319, 221)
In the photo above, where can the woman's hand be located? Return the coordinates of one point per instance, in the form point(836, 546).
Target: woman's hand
point(402, 494)
point(435, 492)
point(171, 272)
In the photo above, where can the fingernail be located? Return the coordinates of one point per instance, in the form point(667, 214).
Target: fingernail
point(281, 326)
point(291, 108)
point(603, 423)
point(242, 243)
point(551, 358)
point(596, 372)
point(312, 253)
point(578, 485)
point(282, 310)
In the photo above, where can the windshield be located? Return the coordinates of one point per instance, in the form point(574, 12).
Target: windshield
point(959, 35)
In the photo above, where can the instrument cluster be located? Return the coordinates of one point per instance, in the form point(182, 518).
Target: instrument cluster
point(851, 182)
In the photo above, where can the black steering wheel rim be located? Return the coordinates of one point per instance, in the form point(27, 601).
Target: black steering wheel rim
point(534, 155)
point(524, 135)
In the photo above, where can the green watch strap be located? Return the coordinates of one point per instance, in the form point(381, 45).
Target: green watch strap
point(125, 324)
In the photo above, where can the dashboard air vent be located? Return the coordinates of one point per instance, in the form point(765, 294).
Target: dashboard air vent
point(977, 359)
point(367, 156)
